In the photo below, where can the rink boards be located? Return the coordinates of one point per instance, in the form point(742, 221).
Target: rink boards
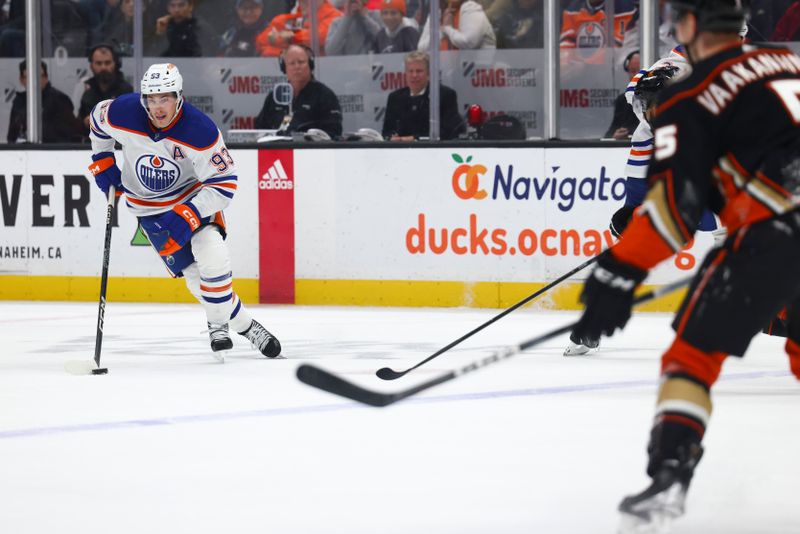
point(478, 227)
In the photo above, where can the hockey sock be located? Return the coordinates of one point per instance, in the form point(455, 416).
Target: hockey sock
point(216, 279)
point(684, 406)
point(240, 318)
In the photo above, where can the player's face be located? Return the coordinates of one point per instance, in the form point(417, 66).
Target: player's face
point(162, 108)
point(297, 69)
point(416, 75)
point(391, 18)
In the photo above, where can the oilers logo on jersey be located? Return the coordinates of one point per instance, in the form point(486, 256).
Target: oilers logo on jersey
point(591, 35)
point(157, 173)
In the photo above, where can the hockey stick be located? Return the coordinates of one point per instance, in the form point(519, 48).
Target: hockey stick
point(84, 367)
point(386, 373)
point(326, 381)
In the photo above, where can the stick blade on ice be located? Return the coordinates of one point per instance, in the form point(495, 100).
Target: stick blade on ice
point(84, 367)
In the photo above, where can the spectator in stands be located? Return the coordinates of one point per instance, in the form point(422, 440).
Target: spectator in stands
point(788, 27)
point(187, 36)
point(152, 10)
point(219, 14)
point(354, 32)
point(107, 81)
point(408, 109)
point(240, 41)
point(465, 26)
point(92, 12)
point(521, 25)
point(314, 105)
point(625, 121)
point(58, 120)
point(295, 28)
point(117, 27)
point(341, 5)
point(12, 28)
point(399, 33)
point(584, 35)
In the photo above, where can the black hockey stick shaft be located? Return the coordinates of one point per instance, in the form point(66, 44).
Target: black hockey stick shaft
point(386, 373)
point(326, 381)
point(101, 309)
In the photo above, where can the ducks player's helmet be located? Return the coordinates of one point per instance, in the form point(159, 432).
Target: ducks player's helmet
point(713, 15)
point(162, 78)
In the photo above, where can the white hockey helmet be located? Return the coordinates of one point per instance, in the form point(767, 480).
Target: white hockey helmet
point(162, 78)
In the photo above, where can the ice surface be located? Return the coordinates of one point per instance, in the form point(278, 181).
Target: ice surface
point(170, 441)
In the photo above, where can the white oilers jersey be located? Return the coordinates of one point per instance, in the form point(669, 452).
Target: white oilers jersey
point(642, 140)
point(187, 161)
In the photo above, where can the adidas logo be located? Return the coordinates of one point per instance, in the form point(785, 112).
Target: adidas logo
point(275, 178)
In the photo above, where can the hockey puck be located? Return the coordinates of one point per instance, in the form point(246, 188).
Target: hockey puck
point(100, 371)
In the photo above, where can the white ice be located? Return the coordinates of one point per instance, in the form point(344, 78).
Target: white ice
point(170, 441)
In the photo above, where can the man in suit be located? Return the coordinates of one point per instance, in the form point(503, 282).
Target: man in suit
point(408, 109)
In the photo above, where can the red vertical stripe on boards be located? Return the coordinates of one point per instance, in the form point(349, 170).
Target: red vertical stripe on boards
point(276, 226)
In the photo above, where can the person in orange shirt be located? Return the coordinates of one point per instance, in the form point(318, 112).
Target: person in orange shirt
point(584, 30)
point(295, 28)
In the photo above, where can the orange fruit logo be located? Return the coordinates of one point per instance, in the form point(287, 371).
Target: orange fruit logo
point(466, 183)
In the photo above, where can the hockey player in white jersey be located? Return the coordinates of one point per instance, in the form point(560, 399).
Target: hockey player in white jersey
point(641, 94)
point(177, 178)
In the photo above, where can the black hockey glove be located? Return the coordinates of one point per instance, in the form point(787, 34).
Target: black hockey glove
point(608, 296)
point(620, 220)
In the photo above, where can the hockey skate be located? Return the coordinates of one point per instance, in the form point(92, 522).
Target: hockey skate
point(220, 341)
point(579, 347)
point(260, 338)
point(653, 510)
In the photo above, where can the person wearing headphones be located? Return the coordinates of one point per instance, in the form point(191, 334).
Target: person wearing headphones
point(107, 81)
point(314, 105)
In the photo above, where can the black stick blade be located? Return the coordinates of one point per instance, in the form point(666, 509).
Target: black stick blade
point(384, 373)
point(321, 379)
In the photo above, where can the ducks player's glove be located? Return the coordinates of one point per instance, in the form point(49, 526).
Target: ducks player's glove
point(106, 173)
point(180, 222)
point(608, 296)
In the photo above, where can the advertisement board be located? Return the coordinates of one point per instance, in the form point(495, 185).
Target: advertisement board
point(421, 226)
point(52, 225)
point(474, 215)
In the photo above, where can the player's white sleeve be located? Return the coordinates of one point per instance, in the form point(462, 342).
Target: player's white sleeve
point(100, 134)
point(216, 170)
point(638, 162)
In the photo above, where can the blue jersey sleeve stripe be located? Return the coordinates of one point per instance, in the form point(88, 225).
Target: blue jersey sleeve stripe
point(638, 163)
point(231, 178)
point(646, 142)
point(97, 128)
point(100, 135)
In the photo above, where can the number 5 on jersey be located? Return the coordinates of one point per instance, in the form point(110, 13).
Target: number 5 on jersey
point(666, 141)
point(789, 93)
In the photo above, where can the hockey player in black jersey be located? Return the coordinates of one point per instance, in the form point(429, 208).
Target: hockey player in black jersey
point(727, 138)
